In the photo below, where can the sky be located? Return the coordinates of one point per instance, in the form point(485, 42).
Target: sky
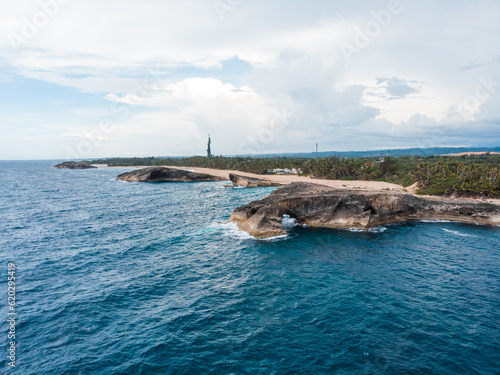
point(83, 79)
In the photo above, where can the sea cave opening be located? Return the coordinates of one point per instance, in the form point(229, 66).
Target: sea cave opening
point(289, 220)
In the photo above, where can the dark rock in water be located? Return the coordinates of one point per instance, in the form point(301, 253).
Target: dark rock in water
point(322, 206)
point(74, 165)
point(165, 174)
point(238, 180)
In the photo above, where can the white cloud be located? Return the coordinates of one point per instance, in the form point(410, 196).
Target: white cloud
point(428, 58)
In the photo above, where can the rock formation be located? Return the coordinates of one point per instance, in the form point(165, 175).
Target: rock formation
point(74, 165)
point(238, 180)
point(164, 174)
point(322, 206)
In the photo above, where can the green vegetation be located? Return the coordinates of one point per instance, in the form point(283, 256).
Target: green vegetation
point(471, 176)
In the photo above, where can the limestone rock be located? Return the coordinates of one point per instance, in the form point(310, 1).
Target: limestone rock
point(322, 206)
point(74, 165)
point(165, 174)
point(239, 180)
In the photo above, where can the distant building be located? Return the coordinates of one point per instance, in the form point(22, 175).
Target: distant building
point(284, 171)
point(209, 150)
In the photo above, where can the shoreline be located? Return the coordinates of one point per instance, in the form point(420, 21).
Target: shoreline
point(349, 185)
point(288, 179)
point(319, 206)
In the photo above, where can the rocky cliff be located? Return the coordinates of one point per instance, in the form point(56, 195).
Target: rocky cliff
point(74, 165)
point(164, 174)
point(322, 206)
point(238, 180)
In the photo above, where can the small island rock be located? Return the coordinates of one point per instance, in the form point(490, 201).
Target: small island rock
point(165, 174)
point(74, 165)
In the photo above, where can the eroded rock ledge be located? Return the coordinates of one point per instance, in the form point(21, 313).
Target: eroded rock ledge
point(165, 174)
point(238, 180)
point(74, 165)
point(322, 206)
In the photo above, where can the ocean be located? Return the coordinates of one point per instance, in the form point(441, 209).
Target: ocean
point(115, 277)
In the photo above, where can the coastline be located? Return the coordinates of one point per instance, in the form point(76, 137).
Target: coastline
point(351, 185)
point(347, 185)
point(288, 179)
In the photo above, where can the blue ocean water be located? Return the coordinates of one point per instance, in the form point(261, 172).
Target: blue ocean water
point(128, 278)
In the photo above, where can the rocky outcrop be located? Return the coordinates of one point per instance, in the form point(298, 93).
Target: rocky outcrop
point(239, 180)
point(322, 206)
point(74, 165)
point(164, 174)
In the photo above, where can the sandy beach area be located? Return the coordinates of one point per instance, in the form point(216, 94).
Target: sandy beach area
point(287, 179)
point(336, 184)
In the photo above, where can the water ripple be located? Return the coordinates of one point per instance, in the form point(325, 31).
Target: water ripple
point(124, 278)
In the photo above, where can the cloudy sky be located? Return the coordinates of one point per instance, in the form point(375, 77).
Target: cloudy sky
point(89, 78)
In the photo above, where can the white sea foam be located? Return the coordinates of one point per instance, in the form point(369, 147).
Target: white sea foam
point(276, 238)
point(435, 221)
point(288, 222)
point(225, 186)
point(377, 230)
point(232, 230)
point(230, 186)
point(370, 230)
point(457, 233)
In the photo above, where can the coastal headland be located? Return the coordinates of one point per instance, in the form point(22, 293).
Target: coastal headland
point(167, 174)
point(317, 205)
point(328, 203)
point(325, 203)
